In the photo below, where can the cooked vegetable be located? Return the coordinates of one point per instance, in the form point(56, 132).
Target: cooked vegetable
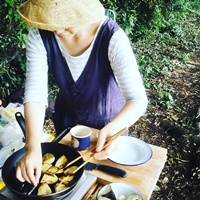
point(103, 198)
point(108, 193)
point(48, 158)
point(44, 189)
point(70, 170)
point(45, 167)
point(134, 197)
point(61, 162)
point(121, 197)
point(49, 178)
point(50, 172)
point(59, 187)
point(53, 170)
point(60, 171)
point(66, 179)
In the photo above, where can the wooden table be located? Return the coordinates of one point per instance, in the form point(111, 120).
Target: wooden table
point(143, 177)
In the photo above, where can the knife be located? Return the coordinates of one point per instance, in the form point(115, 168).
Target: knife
point(106, 168)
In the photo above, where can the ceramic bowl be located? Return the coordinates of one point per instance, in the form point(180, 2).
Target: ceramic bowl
point(122, 191)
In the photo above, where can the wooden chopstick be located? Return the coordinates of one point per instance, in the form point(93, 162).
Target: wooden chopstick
point(112, 138)
point(108, 142)
point(81, 156)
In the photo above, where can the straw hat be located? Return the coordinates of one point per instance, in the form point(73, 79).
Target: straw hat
point(60, 14)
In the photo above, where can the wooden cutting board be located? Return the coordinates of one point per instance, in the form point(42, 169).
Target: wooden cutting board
point(144, 177)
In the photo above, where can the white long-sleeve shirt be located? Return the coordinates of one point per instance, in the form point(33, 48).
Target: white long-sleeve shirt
point(121, 57)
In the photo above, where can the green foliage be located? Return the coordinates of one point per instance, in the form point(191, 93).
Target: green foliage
point(15, 21)
point(13, 33)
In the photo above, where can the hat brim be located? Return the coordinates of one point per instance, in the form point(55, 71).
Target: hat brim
point(55, 15)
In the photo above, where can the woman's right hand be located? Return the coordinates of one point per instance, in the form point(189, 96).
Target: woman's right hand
point(29, 166)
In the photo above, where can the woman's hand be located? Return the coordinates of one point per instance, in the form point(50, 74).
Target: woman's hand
point(29, 167)
point(104, 154)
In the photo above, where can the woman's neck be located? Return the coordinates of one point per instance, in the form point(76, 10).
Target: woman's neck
point(79, 42)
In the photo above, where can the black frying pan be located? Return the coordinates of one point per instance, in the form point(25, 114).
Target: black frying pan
point(15, 186)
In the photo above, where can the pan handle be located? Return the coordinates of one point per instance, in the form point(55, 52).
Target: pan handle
point(21, 121)
point(61, 135)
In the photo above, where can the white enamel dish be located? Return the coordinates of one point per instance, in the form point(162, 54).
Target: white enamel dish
point(121, 189)
point(131, 151)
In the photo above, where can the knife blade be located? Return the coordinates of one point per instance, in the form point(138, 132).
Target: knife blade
point(106, 168)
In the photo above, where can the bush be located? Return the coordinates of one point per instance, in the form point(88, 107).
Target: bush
point(13, 34)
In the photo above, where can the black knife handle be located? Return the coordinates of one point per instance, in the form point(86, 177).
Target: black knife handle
point(111, 170)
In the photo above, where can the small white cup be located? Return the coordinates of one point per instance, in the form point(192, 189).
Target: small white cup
point(80, 137)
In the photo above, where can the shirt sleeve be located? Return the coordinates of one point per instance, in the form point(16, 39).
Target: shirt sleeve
point(36, 86)
point(125, 68)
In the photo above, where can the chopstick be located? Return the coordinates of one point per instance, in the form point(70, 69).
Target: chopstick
point(93, 148)
point(81, 156)
point(108, 142)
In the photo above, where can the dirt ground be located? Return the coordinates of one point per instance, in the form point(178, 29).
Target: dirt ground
point(176, 131)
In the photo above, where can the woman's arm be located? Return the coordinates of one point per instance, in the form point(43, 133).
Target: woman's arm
point(29, 167)
point(127, 74)
point(35, 102)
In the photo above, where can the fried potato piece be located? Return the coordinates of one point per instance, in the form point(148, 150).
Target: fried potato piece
point(49, 178)
point(70, 170)
point(52, 170)
point(49, 170)
point(48, 158)
point(61, 162)
point(44, 189)
point(60, 171)
point(60, 186)
point(45, 167)
point(66, 179)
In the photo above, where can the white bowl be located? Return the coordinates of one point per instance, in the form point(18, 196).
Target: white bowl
point(121, 189)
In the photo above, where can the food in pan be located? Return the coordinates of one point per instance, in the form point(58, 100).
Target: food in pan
point(49, 179)
point(54, 170)
point(45, 167)
point(44, 189)
point(54, 177)
point(66, 179)
point(70, 170)
point(61, 162)
point(60, 186)
point(48, 158)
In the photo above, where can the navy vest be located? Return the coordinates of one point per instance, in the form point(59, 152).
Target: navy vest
point(95, 98)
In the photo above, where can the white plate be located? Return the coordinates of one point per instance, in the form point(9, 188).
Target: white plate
point(121, 189)
point(131, 151)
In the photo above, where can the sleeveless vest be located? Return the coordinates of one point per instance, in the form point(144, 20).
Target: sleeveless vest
point(95, 98)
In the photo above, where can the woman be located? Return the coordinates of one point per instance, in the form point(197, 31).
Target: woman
point(94, 67)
